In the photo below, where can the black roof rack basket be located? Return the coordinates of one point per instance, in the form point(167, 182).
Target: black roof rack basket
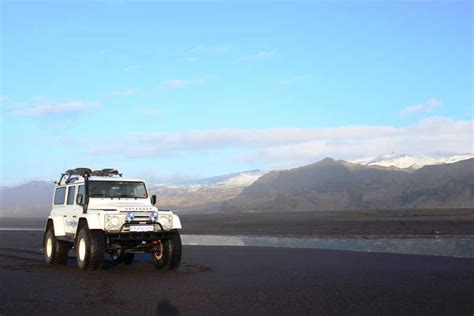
point(106, 173)
point(82, 172)
point(86, 173)
point(79, 172)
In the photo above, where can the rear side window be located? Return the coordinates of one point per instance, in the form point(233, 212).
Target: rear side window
point(59, 196)
point(70, 195)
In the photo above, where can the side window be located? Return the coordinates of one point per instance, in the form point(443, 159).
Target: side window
point(70, 195)
point(82, 190)
point(59, 196)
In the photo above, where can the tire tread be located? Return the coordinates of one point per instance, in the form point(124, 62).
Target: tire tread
point(172, 251)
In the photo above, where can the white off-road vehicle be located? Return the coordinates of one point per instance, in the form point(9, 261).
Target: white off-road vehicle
point(99, 212)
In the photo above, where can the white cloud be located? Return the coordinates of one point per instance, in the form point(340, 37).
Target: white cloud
point(425, 107)
point(175, 83)
point(149, 111)
point(131, 68)
point(295, 80)
point(200, 51)
point(53, 108)
point(181, 83)
point(125, 93)
point(301, 145)
point(214, 49)
point(191, 59)
point(261, 55)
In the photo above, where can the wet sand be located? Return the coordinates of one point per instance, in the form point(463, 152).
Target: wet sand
point(344, 224)
point(361, 223)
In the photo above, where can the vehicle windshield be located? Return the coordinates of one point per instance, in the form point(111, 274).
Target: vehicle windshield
point(117, 189)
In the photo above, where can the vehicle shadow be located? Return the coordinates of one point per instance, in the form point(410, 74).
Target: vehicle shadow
point(166, 308)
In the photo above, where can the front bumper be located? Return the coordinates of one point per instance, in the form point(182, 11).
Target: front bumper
point(125, 240)
point(137, 241)
point(139, 236)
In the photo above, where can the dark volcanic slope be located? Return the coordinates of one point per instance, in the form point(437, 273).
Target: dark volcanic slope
point(331, 184)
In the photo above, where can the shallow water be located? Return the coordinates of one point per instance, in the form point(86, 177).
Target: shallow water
point(439, 246)
point(454, 246)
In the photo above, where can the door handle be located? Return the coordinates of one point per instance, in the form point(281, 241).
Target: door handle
point(74, 216)
point(64, 215)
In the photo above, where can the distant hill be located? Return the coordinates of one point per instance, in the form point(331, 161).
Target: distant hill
point(328, 185)
point(206, 191)
point(333, 185)
point(32, 199)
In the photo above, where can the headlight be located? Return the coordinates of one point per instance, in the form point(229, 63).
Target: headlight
point(130, 217)
point(166, 221)
point(114, 222)
point(154, 216)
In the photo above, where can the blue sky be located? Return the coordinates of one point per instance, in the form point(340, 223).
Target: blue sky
point(171, 91)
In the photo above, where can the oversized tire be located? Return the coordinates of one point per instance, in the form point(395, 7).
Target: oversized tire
point(55, 251)
point(167, 256)
point(90, 249)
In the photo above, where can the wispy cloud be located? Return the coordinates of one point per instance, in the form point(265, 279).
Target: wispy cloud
point(299, 145)
point(125, 93)
point(425, 107)
point(261, 55)
point(175, 83)
point(149, 111)
point(295, 80)
point(54, 108)
point(181, 83)
point(191, 59)
point(215, 49)
point(200, 51)
point(131, 68)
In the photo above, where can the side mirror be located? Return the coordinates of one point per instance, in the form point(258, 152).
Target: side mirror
point(80, 199)
point(153, 199)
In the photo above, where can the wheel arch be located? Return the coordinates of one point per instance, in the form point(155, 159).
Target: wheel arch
point(90, 222)
point(58, 225)
point(176, 222)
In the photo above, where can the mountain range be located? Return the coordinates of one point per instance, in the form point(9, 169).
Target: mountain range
point(334, 185)
point(411, 162)
point(430, 182)
point(204, 191)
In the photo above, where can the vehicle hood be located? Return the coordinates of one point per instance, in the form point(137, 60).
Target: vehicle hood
point(121, 204)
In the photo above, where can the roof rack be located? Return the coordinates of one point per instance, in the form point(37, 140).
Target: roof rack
point(78, 172)
point(106, 173)
point(86, 173)
point(83, 172)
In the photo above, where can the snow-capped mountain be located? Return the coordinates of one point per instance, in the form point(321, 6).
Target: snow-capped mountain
point(411, 161)
point(205, 191)
point(244, 178)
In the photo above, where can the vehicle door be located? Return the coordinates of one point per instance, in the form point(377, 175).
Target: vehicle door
point(59, 201)
point(74, 210)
